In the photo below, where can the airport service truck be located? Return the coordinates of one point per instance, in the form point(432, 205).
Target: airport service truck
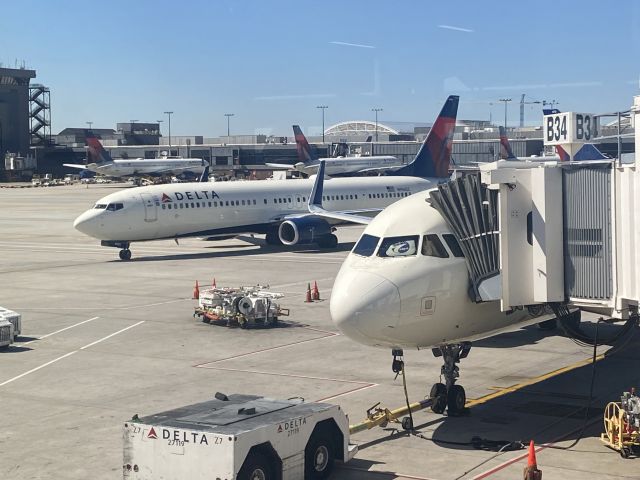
point(243, 437)
point(6, 333)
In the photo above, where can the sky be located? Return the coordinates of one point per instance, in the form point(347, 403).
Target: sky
point(271, 63)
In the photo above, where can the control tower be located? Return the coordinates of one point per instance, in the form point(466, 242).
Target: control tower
point(14, 110)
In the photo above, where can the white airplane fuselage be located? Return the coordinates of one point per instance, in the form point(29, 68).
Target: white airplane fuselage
point(411, 299)
point(348, 165)
point(151, 167)
point(203, 209)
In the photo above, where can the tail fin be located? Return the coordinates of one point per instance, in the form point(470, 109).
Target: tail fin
point(505, 147)
point(204, 177)
point(304, 150)
point(550, 111)
point(95, 151)
point(369, 139)
point(434, 155)
point(587, 152)
point(562, 153)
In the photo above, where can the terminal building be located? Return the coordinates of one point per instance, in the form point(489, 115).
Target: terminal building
point(25, 123)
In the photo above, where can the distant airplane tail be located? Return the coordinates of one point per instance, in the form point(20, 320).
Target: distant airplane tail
point(588, 152)
point(304, 150)
point(95, 151)
point(505, 147)
point(434, 156)
point(550, 111)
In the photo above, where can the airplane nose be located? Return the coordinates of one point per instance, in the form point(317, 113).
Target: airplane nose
point(87, 223)
point(364, 306)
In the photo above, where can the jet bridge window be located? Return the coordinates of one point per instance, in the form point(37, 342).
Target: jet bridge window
point(399, 246)
point(453, 244)
point(433, 247)
point(366, 245)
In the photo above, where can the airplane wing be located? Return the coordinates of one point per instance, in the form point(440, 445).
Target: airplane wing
point(75, 165)
point(316, 208)
point(280, 166)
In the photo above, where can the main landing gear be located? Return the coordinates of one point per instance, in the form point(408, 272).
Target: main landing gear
point(448, 395)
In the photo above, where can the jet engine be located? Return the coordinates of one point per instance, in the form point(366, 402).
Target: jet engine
point(304, 230)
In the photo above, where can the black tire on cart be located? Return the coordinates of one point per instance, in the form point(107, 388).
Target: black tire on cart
point(319, 456)
point(256, 467)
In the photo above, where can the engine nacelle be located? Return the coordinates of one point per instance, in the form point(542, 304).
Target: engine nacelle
point(303, 231)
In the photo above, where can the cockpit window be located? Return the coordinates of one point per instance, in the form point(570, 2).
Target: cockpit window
point(433, 247)
point(100, 206)
point(454, 246)
point(112, 207)
point(399, 246)
point(366, 245)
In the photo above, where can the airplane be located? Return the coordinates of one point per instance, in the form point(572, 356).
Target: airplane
point(279, 208)
point(340, 166)
point(101, 162)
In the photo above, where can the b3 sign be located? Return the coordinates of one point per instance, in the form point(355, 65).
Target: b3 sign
point(570, 127)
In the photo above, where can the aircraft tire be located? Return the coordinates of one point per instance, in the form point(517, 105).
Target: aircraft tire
point(125, 254)
point(438, 397)
point(456, 400)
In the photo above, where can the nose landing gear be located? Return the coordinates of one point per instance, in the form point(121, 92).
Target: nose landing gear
point(125, 254)
point(448, 395)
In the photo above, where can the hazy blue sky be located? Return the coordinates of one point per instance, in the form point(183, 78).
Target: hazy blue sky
point(272, 62)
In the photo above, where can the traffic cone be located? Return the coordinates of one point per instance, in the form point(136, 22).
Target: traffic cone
point(531, 471)
point(316, 293)
point(308, 299)
point(196, 291)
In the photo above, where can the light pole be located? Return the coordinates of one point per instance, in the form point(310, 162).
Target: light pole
point(323, 108)
point(505, 100)
point(228, 115)
point(89, 123)
point(376, 110)
point(159, 122)
point(169, 113)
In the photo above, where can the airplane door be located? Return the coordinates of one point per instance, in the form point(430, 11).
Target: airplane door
point(150, 208)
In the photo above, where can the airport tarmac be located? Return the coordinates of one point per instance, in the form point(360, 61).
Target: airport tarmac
point(105, 339)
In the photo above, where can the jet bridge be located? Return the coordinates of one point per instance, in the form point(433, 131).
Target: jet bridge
point(551, 231)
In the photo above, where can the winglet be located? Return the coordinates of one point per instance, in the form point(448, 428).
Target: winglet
point(505, 147)
point(205, 175)
point(315, 199)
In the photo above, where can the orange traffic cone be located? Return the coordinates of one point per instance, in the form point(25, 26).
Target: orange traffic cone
point(214, 283)
point(531, 471)
point(316, 293)
point(196, 291)
point(308, 299)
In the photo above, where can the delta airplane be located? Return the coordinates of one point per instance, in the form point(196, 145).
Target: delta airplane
point(101, 162)
point(340, 166)
point(405, 285)
point(278, 208)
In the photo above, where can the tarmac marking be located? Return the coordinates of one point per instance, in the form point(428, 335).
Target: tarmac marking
point(531, 381)
point(112, 335)
point(348, 392)
point(268, 349)
point(61, 330)
point(37, 368)
point(68, 354)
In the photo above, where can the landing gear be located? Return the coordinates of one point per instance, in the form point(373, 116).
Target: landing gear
point(328, 241)
point(273, 238)
point(449, 395)
point(125, 254)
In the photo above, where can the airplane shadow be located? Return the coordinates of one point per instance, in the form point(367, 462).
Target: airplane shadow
point(548, 411)
point(342, 247)
point(532, 334)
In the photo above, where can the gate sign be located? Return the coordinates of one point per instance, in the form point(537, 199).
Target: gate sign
point(570, 127)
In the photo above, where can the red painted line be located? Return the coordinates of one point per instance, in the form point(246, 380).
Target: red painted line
point(262, 350)
point(544, 446)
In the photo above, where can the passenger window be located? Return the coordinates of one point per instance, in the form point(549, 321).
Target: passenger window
point(275, 200)
point(433, 247)
point(453, 244)
point(254, 201)
point(197, 204)
point(226, 203)
point(304, 199)
point(366, 245)
point(265, 201)
point(186, 205)
point(181, 205)
point(242, 202)
point(399, 246)
point(193, 205)
point(164, 206)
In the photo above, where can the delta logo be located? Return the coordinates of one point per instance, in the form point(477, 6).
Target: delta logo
point(152, 434)
point(166, 198)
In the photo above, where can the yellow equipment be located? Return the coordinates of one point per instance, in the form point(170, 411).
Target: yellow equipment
point(622, 425)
